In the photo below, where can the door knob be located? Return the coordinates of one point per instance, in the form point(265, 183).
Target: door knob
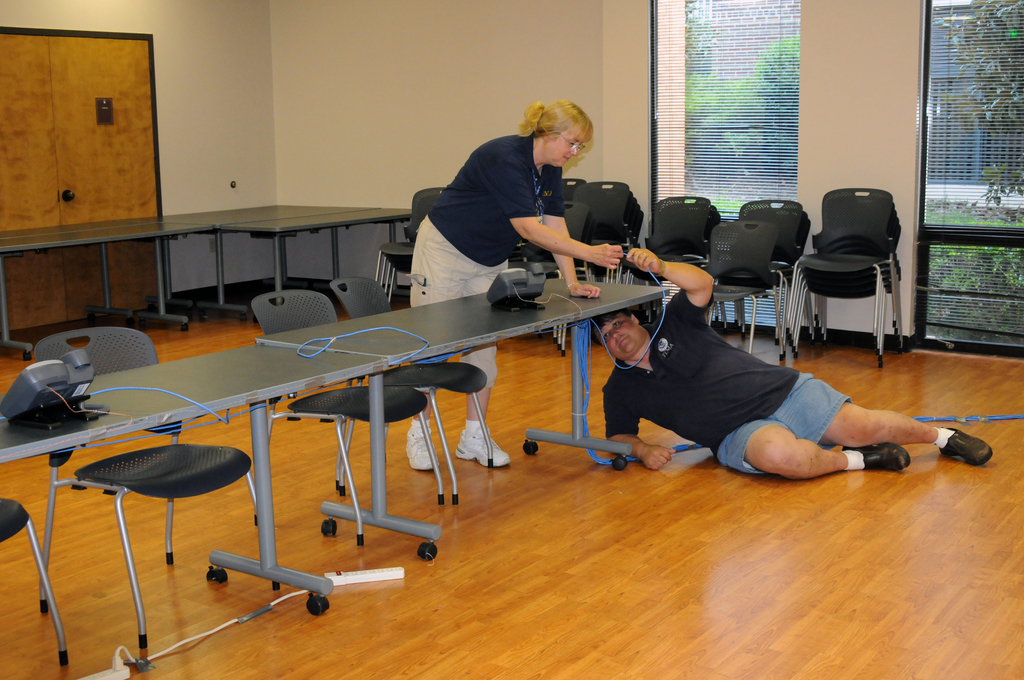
point(68, 195)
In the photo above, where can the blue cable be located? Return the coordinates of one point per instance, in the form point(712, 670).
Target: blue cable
point(157, 389)
point(330, 341)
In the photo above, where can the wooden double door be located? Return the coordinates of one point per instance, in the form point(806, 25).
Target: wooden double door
point(77, 145)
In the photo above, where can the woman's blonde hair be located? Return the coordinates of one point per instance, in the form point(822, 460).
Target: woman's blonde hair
point(556, 118)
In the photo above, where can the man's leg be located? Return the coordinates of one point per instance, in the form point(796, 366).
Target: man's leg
point(776, 450)
point(854, 426)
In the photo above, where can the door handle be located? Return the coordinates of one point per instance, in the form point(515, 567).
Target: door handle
point(68, 195)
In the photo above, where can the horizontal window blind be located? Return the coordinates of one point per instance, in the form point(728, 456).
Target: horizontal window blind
point(726, 83)
point(973, 174)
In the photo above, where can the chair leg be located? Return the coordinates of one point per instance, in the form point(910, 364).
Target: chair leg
point(433, 457)
point(133, 576)
point(167, 531)
point(432, 395)
point(486, 431)
point(44, 581)
point(339, 483)
point(252, 494)
point(753, 316)
point(51, 505)
point(339, 429)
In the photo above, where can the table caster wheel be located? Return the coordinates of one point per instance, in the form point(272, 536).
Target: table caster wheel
point(130, 321)
point(530, 447)
point(620, 463)
point(317, 604)
point(26, 355)
point(329, 527)
point(217, 574)
point(427, 551)
point(241, 317)
point(142, 323)
point(184, 327)
point(91, 319)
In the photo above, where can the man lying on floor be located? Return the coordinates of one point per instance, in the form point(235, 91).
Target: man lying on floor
point(756, 417)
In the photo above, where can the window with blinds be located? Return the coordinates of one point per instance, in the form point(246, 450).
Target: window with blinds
point(726, 92)
point(971, 274)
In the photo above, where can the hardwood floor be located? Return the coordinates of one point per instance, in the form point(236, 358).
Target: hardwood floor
point(559, 568)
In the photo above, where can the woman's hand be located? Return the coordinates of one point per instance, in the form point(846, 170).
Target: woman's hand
point(646, 260)
point(584, 290)
point(605, 255)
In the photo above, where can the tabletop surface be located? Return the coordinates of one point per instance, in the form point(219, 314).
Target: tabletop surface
point(247, 375)
point(340, 218)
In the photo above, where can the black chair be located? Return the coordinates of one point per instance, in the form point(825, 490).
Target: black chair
point(678, 227)
point(363, 297)
point(742, 249)
point(14, 518)
point(395, 258)
point(569, 186)
point(617, 215)
point(174, 470)
point(855, 257)
point(286, 310)
point(794, 227)
point(298, 309)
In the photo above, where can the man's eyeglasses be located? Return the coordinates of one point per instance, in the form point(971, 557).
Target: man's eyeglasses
point(574, 146)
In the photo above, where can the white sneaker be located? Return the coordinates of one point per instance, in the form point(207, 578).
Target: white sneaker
point(472, 447)
point(416, 449)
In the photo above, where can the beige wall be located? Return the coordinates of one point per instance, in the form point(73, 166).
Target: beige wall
point(859, 73)
point(363, 102)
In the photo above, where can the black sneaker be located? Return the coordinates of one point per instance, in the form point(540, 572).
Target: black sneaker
point(971, 449)
point(887, 456)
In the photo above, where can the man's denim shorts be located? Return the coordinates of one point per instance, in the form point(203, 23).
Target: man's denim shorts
point(807, 412)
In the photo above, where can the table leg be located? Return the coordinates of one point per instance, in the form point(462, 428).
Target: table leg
point(218, 240)
point(107, 307)
point(267, 566)
point(161, 293)
point(577, 438)
point(165, 253)
point(5, 326)
point(379, 516)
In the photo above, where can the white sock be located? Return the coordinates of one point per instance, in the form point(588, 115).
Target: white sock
point(944, 434)
point(854, 460)
point(419, 428)
point(473, 427)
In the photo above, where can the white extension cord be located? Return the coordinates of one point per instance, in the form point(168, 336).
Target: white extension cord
point(119, 671)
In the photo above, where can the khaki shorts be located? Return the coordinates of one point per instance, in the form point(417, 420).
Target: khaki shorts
point(440, 272)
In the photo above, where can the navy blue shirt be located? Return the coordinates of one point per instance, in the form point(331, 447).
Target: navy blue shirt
point(700, 387)
point(498, 182)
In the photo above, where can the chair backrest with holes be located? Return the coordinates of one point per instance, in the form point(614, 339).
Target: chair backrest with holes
point(361, 296)
point(111, 349)
point(288, 310)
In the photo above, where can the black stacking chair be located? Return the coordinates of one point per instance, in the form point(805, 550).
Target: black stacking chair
point(678, 227)
point(395, 258)
point(794, 227)
point(855, 257)
point(14, 518)
point(168, 472)
point(569, 187)
point(304, 309)
point(742, 249)
point(362, 297)
point(617, 214)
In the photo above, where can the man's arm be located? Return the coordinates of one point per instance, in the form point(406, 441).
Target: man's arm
point(650, 455)
point(697, 283)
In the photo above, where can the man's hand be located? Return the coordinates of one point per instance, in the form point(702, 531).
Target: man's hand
point(605, 255)
point(654, 457)
point(646, 260)
point(584, 290)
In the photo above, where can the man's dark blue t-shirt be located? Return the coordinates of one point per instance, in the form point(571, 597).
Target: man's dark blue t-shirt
point(498, 182)
point(701, 387)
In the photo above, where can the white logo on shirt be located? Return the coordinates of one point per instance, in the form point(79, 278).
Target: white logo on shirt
point(664, 346)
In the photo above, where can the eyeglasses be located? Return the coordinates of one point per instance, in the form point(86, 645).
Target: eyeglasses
point(615, 326)
point(575, 147)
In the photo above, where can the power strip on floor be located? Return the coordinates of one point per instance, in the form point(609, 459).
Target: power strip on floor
point(347, 578)
point(118, 671)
